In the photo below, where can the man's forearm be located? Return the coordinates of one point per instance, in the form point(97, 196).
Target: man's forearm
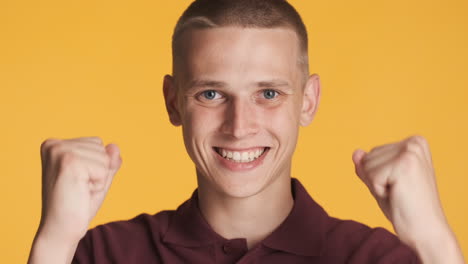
point(438, 248)
point(49, 251)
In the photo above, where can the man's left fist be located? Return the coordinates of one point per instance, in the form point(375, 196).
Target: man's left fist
point(401, 178)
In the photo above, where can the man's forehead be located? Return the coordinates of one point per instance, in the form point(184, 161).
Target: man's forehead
point(230, 56)
point(222, 41)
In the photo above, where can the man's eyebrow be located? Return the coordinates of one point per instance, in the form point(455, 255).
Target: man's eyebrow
point(207, 83)
point(275, 83)
point(199, 83)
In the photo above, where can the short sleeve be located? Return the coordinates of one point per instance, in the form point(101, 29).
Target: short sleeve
point(131, 241)
point(83, 253)
point(380, 246)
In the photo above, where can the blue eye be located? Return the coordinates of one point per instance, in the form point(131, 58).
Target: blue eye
point(270, 94)
point(209, 94)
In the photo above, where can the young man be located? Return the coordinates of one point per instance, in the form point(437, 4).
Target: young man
point(240, 90)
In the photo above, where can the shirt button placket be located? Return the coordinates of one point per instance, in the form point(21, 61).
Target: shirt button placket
point(227, 248)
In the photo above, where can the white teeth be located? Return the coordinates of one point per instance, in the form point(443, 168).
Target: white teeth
point(245, 156)
point(237, 156)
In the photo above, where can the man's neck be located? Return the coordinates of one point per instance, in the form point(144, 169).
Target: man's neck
point(252, 218)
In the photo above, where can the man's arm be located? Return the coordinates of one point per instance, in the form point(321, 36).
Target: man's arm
point(49, 250)
point(76, 175)
point(401, 178)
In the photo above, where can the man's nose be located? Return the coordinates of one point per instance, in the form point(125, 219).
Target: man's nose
point(240, 119)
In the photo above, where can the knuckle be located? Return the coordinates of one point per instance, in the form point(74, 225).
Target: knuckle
point(367, 162)
point(68, 158)
point(55, 150)
point(374, 149)
point(422, 141)
point(375, 186)
point(366, 166)
point(413, 146)
point(97, 167)
point(409, 157)
point(97, 139)
point(46, 144)
point(365, 159)
point(98, 175)
point(418, 139)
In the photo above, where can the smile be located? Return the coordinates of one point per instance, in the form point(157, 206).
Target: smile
point(241, 156)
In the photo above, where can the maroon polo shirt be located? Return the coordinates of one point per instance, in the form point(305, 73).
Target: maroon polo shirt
point(308, 235)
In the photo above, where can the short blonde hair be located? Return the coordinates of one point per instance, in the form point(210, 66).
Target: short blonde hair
point(204, 14)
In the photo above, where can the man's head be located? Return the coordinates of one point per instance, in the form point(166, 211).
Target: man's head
point(240, 91)
point(206, 14)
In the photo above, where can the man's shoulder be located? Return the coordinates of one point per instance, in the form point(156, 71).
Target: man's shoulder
point(140, 225)
point(355, 230)
point(117, 241)
point(365, 244)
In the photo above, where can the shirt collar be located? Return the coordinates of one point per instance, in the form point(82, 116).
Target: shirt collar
point(301, 233)
point(304, 229)
point(189, 228)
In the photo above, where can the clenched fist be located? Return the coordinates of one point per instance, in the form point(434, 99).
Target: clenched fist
point(401, 178)
point(76, 175)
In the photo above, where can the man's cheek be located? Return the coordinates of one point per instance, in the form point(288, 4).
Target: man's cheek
point(201, 121)
point(277, 117)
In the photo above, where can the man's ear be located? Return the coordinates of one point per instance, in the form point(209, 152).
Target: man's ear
point(170, 96)
point(311, 98)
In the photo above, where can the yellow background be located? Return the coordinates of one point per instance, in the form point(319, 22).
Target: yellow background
point(389, 69)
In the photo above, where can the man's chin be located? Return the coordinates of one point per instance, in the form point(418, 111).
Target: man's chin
point(241, 185)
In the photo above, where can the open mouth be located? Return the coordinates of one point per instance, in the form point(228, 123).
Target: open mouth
point(241, 156)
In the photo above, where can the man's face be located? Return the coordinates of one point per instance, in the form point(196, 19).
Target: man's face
point(240, 101)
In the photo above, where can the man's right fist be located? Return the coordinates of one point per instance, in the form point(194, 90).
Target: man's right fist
point(76, 175)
